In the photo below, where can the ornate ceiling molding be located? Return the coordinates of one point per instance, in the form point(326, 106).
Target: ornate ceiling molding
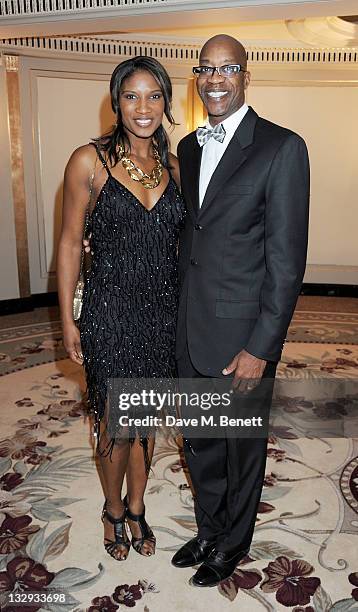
point(48, 9)
point(105, 49)
point(91, 17)
point(327, 31)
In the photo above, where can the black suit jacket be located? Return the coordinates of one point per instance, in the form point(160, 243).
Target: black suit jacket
point(242, 255)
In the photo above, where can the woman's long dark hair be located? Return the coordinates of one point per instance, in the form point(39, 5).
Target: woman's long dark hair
point(109, 142)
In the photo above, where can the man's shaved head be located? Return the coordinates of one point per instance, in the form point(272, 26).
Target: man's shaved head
point(235, 47)
point(221, 94)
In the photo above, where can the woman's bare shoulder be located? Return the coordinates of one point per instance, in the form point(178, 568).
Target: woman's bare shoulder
point(82, 158)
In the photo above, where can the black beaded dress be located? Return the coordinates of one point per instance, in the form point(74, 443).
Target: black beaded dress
point(129, 312)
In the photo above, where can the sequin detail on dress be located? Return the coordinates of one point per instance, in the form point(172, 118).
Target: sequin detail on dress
point(130, 299)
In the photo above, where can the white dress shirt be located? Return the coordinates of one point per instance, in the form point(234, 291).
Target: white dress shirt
point(213, 150)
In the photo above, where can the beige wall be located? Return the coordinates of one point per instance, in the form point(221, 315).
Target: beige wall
point(325, 115)
point(69, 112)
point(64, 102)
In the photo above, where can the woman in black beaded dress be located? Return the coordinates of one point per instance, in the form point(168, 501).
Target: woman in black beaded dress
point(128, 318)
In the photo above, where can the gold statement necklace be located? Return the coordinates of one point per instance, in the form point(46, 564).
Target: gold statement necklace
point(149, 181)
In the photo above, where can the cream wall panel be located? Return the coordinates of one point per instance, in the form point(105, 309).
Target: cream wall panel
point(9, 285)
point(325, 115)
point(70, 113)
point(182, 111)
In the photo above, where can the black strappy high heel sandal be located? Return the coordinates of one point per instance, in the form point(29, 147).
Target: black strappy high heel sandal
point(146, 532)
point(119, 533)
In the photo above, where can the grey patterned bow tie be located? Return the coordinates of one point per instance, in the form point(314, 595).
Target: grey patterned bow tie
point(204, 134)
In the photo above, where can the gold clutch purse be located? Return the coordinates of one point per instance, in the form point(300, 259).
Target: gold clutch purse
point(77, 299)
point(78, 294)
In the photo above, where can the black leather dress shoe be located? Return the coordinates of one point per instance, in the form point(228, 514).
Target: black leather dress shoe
point(193, 552)
point(217, 567)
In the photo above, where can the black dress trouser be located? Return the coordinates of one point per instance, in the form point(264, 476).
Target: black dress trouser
point(227, 474)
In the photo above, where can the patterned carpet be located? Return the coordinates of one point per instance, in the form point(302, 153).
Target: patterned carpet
point(305, 550)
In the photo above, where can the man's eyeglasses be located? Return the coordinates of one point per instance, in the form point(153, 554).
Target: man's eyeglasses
point(229, 70)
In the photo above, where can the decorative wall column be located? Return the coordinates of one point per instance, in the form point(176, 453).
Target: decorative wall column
point(17, 173)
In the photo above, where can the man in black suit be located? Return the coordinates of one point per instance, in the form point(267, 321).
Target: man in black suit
point(242, 259)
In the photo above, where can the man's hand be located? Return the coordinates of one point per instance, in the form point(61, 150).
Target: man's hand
point(248, 371)
point(87, 244)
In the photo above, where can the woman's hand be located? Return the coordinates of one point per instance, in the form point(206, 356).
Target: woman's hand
point(72, 342)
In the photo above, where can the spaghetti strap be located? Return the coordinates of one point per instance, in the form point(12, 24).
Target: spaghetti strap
point(101, 158)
